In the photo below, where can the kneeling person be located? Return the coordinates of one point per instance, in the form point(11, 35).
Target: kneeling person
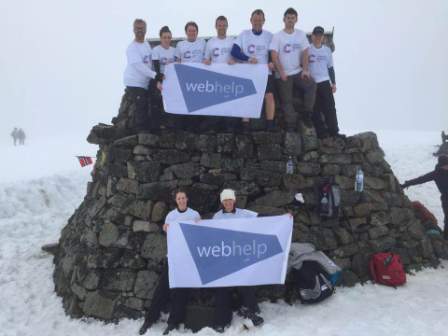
point(249, 309)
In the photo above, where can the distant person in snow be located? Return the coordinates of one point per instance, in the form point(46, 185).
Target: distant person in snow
point(21, 136)
point(440, 176)
point(138, 74)
point(14, 135)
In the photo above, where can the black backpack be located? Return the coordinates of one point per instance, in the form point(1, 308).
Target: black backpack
point(312, 282)
point(329, 198)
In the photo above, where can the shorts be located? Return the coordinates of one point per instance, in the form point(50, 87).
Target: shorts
point(270, 85)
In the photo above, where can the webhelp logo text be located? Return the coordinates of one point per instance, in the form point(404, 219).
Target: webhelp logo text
point(203, 88)
point(219, 252)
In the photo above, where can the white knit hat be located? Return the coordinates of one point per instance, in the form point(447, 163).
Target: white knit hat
point(227, 194)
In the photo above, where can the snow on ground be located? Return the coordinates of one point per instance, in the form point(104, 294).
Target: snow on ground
point(42, 185)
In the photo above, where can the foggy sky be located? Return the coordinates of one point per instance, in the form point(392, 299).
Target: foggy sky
point(62, 62)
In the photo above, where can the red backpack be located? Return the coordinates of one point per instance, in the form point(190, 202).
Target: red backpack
point(387, 269)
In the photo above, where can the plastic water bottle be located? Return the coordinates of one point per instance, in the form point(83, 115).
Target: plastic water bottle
point(290, 166)
point(359, 180)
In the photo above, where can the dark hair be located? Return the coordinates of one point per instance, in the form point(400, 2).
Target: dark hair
point(164, 29)
point(139, 21)
point(179, 190)
point(220, 18)
point(257, 12)
point(191, 23)
point(290, 11)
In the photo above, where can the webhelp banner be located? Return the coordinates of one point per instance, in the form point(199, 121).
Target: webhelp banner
point(229, 252)
point(218, 89)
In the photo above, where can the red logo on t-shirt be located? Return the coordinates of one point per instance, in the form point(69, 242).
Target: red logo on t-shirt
point(163, 60)
point(146, 59)
point(287, 48)
point(187, 54)
point(251, 49)
point(215, 52)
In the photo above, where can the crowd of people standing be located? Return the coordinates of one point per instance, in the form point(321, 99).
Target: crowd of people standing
point(295, 67)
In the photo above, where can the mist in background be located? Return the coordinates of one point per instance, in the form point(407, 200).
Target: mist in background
point(62, 62)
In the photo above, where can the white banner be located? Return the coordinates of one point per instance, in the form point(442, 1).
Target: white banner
point(229, 252)
point(217, 89)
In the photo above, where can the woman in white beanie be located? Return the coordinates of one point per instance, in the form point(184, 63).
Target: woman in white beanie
point(223, 297)
point(229, 209)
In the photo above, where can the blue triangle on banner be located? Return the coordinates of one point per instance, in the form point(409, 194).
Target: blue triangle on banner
point(203, 88)
point(220, 252)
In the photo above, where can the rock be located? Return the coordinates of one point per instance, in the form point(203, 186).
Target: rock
point(146, 171)
point(266, 210)
point(108, 235)
point(118, 280)
point(185, 170)
point(127, 185)
point(141, 150)
point(140, 209)
point(206, 143)
point(362, 209)
point(52, 249)
point(145, 284)
point(336, 158)
point(128, 141)
point(331, 170)
point(147, 139)
point(225, 142)
point(349, 279)
point(343, 236)
point(310, 143)
point(171, 156)
point(293, 143)
point(144, 226)
point(159, 212)
point(267, 138)
point(295, 182)
point(99, 305)
point(244, 146)
point(308, 168)
point(91, 280)
point(379, 231)
point(374, 183)
point(379, 219)
point(154, 247)
point(269, 152)
point(211, 160)
point(275, 198)
point(157, 190)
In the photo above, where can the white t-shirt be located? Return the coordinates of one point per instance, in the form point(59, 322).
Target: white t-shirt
point(190, 52)
point(320, 59)
point(176, 215)
point(138, 70)
point(218, 50)
point(164, 56)
point(289, 48)
point(239, 213)
point(255, 45)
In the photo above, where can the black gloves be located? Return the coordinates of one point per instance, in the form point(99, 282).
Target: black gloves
point(159, 77)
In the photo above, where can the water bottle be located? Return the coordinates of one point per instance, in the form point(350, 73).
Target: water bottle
point(359, 180)
point(290, 166)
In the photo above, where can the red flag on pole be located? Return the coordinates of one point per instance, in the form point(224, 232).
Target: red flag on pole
point(85, 160)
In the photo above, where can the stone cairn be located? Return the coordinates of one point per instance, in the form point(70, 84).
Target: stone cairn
point(110, 253)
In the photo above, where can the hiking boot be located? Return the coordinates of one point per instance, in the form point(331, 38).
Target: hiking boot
point(146, 325)
point(169, 328)
point(256, 319)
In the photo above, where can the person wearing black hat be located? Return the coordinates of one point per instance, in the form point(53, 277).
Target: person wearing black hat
point(440, 176)
point(322, 71)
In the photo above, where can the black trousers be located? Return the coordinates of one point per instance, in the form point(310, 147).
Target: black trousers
point(223, 302)
point(140, 97)
point(178, 298)
point(444, 199)
point(324, 114)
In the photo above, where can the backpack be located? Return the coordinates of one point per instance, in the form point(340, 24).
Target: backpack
point(312, 282)
point(387, 269)
point(329, 198)
point(429, 221)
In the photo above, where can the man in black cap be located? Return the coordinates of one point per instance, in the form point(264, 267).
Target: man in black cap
point(440, 176)
point(322, 71)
